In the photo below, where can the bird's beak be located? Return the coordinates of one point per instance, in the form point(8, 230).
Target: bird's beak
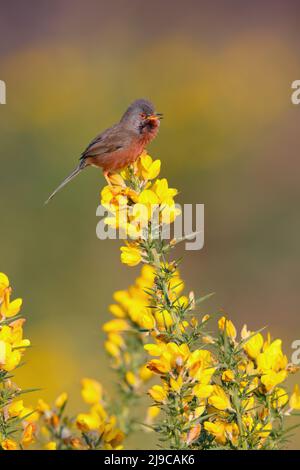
point(155, 117)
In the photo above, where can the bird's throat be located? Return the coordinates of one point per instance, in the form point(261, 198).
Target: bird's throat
point(149, 131)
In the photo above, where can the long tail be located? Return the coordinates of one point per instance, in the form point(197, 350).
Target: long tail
point(74, 173)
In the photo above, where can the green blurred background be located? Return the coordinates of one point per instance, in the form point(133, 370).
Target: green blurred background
point(221, 73)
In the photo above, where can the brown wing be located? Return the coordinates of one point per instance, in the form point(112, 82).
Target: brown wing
point(107, 142)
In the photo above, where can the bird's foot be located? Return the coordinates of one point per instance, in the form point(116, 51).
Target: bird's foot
point(106, 176)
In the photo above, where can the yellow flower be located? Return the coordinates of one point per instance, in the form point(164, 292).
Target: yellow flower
point(155, 349)
point(248, 421)
point(172, 356)
point(130, 255)
point(112, 349)
point(112, 436)
point(114, 343)
point(117, 311)
point(199, 410)
point(203, 391)
point(219, 399)
point(228, 376)
point(146, 277)
point(176, 384)
point(61, 400)
point(28, 434)
point(160, 366)
point(42, 406)
point(182, 301)
point(115, 326)
point(230, 328)
point(9, 444)
point(12, 345)
point(88, 421)
point(271, 379)
point(254, 344)
point(199, 363)
point(131, 379)
point(4, 284)
point(9, 358)
point(147, 321)
point(163, 192)
point(123, 298)
point(107, 194)
point(15, 408)
point(116, 339)
point(280, 398)
point(264, 429)
point(29, 415)
point(232, 433)
point(148, 204)
point(177, 354)
point(217, 429)
point(51, 445)
point(148, 168)
point(152, 413)
point(168, 213)
point(163, 319)
point(272, 357)
point(117, 180)
point(176, 285)
point(145, 373)
point(2, 353)
point(91, 391)
point(248, 403)
point(9, 309)
point(158, 393)
point(295, 398)
point(148, 198)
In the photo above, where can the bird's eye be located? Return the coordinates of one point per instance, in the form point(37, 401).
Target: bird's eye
point(143, 115)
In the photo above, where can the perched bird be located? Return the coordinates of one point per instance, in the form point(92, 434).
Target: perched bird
point(121, 144)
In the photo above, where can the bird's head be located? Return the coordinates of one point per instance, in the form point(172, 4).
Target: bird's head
point(141, 116)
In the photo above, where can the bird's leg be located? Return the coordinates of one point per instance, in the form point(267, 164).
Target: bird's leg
point(106, 176)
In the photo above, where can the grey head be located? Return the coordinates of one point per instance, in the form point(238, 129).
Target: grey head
point(139, 113)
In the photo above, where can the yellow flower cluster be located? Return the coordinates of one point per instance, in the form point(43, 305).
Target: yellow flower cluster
point(132, 308)
point(141, 208)
point(95, 429)
point(12, 343)
point(135, 319)
point(134, 314)
point(126, 333)
point(97, 419)
point(227, 397)
point(265, 358)
point(15, 418)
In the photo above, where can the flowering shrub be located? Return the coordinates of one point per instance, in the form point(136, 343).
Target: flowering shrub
point(214, 391)
point(209, 390)
point(17, 422)
point(90, 430)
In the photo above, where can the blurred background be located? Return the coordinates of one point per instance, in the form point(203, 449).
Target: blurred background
point(221, 73)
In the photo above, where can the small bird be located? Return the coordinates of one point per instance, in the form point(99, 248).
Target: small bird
point(121, 144)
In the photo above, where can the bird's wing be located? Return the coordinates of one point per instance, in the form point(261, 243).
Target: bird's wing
point(109, 141)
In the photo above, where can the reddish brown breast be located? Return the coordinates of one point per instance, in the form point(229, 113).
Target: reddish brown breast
point(119, 159)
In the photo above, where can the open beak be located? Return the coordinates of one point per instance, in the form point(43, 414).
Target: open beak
point(155, 117)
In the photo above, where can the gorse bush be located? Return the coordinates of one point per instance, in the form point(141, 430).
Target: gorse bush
point(210, 387)
point(17, 422)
